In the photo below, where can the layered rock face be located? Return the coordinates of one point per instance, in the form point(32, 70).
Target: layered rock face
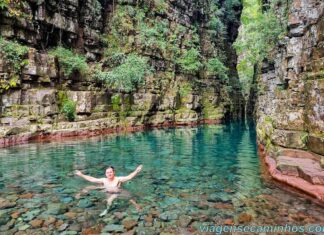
point(170, 96)
point(290, 103)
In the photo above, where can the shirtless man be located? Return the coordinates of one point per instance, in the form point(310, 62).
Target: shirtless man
point(112, 185)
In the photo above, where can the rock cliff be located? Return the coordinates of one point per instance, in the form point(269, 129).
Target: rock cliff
point(290, 104)
point(31, 105)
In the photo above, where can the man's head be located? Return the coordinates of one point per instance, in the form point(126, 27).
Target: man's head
point(110, 172)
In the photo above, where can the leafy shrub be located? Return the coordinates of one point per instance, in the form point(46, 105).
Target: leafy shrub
point(215, 22)
point(14, 8)
point(216, 67)
point(129, 74)
point(69, 62)
point(190, 61)
point(153, 34)
point(66, 106)
point(185, 89)
point(14, 55)
point(160, 6)
point(4, 4)
point(116, 102)
point(69, 109)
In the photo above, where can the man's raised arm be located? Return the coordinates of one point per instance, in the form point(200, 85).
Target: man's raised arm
point(88, 177)
point(131, 175)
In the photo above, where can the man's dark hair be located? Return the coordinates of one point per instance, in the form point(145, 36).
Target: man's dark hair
point(111, 167)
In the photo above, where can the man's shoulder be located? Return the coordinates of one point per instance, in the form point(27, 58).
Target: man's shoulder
point(122, 178)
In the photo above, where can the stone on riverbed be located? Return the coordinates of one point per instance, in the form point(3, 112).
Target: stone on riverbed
point(28, 216)
point(4, 203)
point(36, 223)
point(219, 197)
point(113, 228)
point(146, 231)
point(170, 201)
point(169, 215)
point(4, 217)
point(85, 203)
point(23, 227)
point(184, 221)
point(129, 223)
point(66, 199)
point(63, 227)
point(56, 209)
point(69, 233)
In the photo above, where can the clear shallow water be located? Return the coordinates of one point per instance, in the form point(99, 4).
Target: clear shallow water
point(191, 176)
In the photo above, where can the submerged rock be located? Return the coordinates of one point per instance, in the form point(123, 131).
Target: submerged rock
point(66, 199)
point(85, 203)
point(129, 224)
point(23, 227)
point(4, 218)
point(56, 209)
point(146, 231)
point(4, 203)
point(28, 216)
point(184, 221)
point(36, 223)
point(244, 217)
point(169, 215)
point(219, 197)
point(113, 228)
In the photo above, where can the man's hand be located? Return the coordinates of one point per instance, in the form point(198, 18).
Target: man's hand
point(139, 168)
point(78, 173)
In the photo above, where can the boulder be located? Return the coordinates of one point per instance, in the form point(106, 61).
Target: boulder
point(316, 144)
point(288, 139)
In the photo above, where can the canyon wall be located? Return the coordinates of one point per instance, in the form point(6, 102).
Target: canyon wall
point(290, 102)
point(31, 107)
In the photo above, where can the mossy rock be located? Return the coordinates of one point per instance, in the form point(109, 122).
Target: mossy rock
point(16, 131)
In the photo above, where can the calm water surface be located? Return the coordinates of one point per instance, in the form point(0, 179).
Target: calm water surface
point(190, 177)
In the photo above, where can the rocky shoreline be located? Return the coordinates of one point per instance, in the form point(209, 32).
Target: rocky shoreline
point(296, 168)
point(87, 130)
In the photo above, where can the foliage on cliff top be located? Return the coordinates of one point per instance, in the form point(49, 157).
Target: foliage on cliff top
point(14, 55)
point(69, 61)
point(128, 75)
point(259, 33)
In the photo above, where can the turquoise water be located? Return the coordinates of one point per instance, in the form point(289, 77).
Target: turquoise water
point(191, 176)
